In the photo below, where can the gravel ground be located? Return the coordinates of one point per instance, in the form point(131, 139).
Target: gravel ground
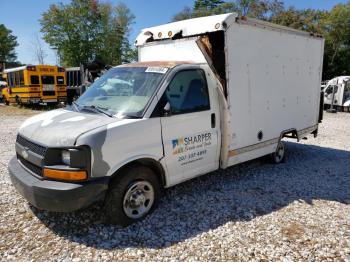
point(295, 211)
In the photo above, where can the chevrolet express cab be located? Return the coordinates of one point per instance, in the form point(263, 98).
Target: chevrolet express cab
point(337, 93)
point(207, 93)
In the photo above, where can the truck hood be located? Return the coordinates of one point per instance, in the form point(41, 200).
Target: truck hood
point(61, 127)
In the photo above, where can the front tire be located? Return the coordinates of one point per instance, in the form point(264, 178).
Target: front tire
point(132, 196)
point(279, 155)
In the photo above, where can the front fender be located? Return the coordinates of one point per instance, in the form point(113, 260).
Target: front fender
point(115, 145)
point(127, 161)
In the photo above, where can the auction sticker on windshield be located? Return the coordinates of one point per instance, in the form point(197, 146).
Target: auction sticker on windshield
point(159, 70)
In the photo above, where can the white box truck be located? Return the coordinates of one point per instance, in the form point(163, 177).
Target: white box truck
point(337, 93)
point(207, 93)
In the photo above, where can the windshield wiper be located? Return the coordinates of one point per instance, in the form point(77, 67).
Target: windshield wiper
point(98, 109)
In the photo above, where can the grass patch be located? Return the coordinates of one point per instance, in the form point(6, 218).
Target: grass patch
point(12, 110)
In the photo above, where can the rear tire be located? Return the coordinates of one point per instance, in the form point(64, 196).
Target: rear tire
point(18, 101)
point(279, 155)
point(131, 196)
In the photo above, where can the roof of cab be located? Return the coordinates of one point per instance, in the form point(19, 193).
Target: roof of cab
point(168, 64)
point(189, 27)
point(15, 69)
point(338, 79)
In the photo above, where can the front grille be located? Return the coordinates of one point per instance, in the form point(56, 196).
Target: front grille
point(35, 169)
point(37, 149)
point(49, 93)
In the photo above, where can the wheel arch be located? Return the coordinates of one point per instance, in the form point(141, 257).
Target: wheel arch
point(289, 133)
point(146, 161)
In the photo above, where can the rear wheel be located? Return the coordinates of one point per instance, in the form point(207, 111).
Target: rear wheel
point(18, 101)
point(132, 196)
point(279, 155)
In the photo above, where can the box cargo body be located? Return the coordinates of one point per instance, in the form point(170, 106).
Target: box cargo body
point(270, 77)
point(207, 93)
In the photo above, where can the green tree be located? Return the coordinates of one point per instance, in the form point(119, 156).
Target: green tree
point(85, 30)
point(8, 43)
point(336, 30)
point(200, 8)
point(207, 4)
point(262, 9)
point(308, 20)
point(113, 43)
point(185, 13)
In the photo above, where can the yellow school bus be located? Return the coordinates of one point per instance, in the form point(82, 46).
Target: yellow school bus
point(3, 84)
point(34, 84)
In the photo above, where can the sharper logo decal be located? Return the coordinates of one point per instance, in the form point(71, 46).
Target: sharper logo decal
point(184, 144)
point(178, 145)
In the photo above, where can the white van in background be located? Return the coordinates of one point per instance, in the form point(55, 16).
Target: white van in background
point(340, 87)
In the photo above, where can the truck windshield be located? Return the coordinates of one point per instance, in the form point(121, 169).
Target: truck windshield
point(123, 91)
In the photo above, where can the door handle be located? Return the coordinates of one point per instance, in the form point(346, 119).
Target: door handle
point(213, 120)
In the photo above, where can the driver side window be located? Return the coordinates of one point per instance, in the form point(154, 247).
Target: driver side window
point(329, 89)
point(188, 92)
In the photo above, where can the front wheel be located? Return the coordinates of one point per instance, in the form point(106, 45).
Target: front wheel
point(132, 196)
point(7, 102)
point(279, 155)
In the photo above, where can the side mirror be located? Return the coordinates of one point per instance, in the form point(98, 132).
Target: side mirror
point(167, 109)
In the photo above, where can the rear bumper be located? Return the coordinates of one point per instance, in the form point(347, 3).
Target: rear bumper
point(49, 100)
point(35, 100)
point(53, 195)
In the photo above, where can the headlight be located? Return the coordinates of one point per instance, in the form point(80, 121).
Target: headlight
point(74, 157)
point(65, 155)
point(71, 164)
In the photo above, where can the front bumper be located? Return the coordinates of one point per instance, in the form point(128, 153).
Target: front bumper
point(54, 195)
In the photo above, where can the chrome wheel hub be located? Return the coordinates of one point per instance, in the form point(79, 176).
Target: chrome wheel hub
point(138, 199)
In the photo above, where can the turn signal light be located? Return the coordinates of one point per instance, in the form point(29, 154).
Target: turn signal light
point(65, 175)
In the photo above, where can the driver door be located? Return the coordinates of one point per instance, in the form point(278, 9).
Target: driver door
point(328, 94)
point(191, 130)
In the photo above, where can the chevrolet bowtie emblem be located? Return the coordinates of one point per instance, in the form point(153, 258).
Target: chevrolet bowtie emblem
point(25, 154)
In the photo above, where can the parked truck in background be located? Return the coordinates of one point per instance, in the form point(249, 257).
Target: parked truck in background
point(80, 78)
point(207, 93)
point(337, 94)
